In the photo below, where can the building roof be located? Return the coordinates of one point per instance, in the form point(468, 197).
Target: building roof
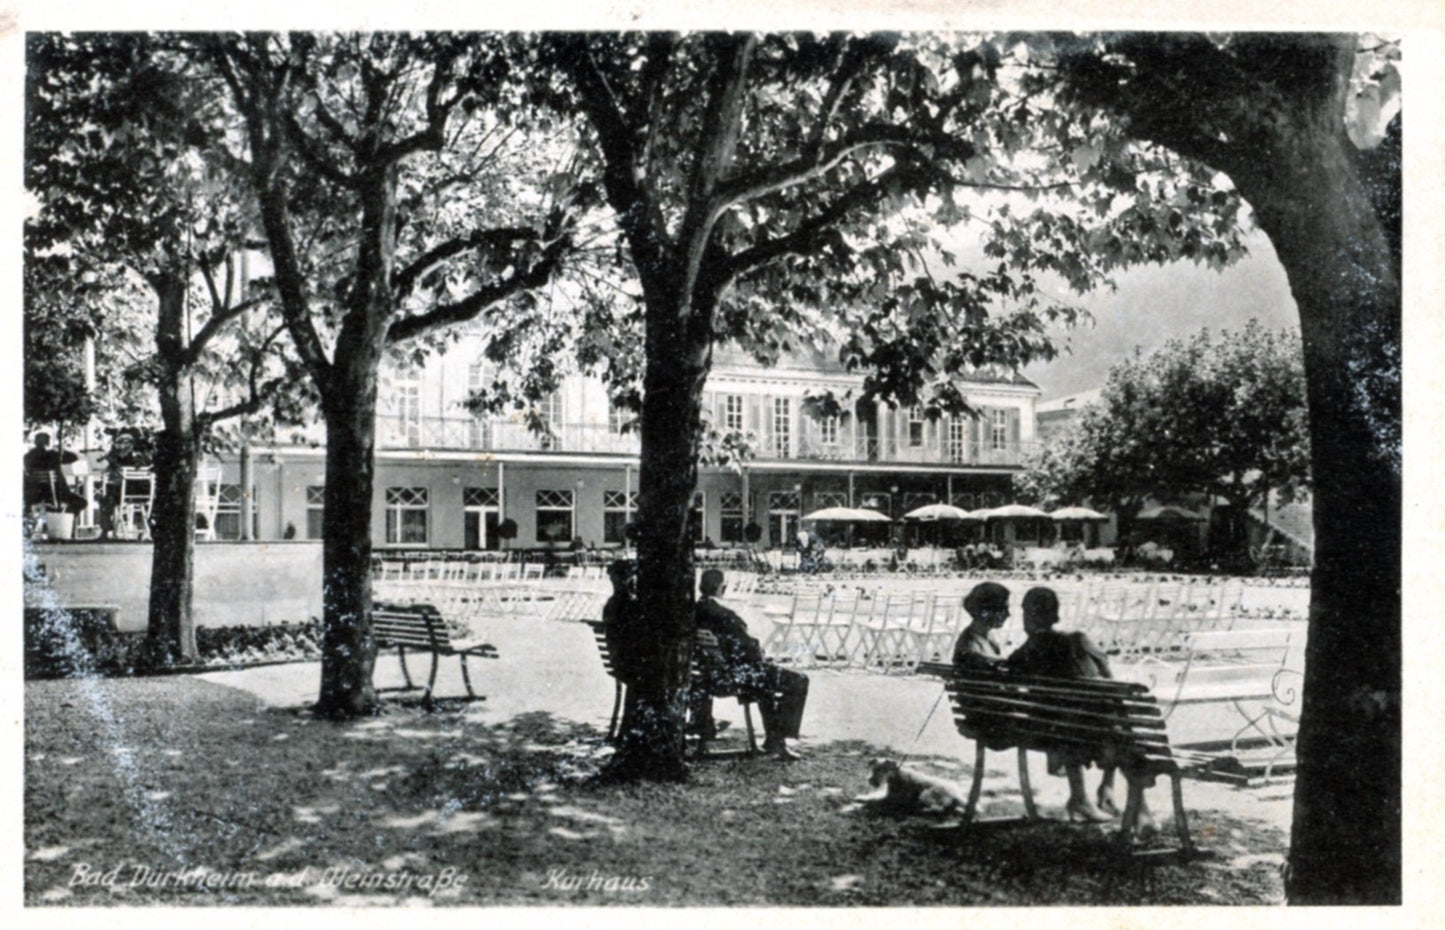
point(1070, 403)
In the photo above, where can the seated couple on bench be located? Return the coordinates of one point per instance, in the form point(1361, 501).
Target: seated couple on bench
point(729, 662)
point(1047, 652)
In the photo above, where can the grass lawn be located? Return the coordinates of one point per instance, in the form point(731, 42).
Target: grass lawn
point(132, 785)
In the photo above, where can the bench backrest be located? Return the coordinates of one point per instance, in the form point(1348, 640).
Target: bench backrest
point(415, 625)
point(1099, 719)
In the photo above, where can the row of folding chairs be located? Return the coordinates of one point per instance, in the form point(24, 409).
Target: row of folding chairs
point(1149, 618)
point(880, 631)
point(579, 595)
point(457, 570)
point(462, 590)
point(582, 592)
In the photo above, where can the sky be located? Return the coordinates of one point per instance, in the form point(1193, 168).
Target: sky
point(1154, 304)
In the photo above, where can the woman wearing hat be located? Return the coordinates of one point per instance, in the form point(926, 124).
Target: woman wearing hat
point(976, 648)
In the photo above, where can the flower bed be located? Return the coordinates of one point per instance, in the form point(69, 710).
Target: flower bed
point(61, 643)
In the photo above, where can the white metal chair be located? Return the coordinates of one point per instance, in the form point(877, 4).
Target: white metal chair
point(137, 493)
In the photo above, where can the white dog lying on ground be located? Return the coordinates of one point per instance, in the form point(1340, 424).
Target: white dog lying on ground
point(908, 791)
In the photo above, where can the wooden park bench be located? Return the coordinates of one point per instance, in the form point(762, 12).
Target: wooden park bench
point(1104, 721)
point(420, 627)
point(745, 701)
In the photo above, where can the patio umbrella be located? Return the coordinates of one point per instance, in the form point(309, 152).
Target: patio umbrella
point(847, 515)
point(1077, 513)
point(1012, 512)
point(864, 515)
point(939, 512)
point(1169, 512)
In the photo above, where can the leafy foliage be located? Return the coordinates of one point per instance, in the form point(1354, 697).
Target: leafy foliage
point(1221, 415)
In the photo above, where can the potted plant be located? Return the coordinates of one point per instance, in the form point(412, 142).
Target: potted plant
point(507, 531)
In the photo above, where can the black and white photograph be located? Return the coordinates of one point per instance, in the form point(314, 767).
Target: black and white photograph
point(717, 463)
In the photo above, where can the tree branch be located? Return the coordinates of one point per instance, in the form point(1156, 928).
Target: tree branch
point(405, 280)
point(720, 125)
point(256, 394)
point(538, 274)
point(808, 166)
point(808, 233)
point(219, 318)
point(433, 136)
point(639, 217)
point(313, 153)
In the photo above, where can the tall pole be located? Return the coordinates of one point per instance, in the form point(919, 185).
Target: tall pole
point(248, 478)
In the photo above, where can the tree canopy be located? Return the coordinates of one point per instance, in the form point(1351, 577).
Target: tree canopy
point(1217, 415)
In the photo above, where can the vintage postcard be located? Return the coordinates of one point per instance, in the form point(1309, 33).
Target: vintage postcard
point(918, 455)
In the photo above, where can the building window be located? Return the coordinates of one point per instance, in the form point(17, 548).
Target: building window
point(406, 516)
point(733, 413)
point(915, 427)
point(998, 429)
point(730, 512)
point(697, 517)
point(912, 500)
point(828, 431)
point(481, 512)
point(551, 410)
point(825, 499)
point(406, 403)
point(880, 501)
point(315, 510)
point(782, 427)
point(957, 439)
point(554, 516)
point(617, 510)
point(783, 514)
point(228, 512)
point(965, 501)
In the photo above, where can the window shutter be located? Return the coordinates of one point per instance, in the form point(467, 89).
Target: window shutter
point(1013, 430)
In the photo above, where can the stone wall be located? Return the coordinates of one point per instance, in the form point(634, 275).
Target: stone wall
point(236, 583)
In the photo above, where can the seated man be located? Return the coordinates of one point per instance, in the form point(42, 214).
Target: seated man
point(780, 693)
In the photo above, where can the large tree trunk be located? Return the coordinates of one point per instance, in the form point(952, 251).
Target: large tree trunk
point(1306, 194)
point(170, 630)
point(348, 650)
point(651, 732)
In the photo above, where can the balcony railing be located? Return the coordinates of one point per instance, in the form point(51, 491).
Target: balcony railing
point(394, 432)
point(889, 449)
point(506, 436)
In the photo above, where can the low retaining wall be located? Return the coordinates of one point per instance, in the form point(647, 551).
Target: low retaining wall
point(236, 583)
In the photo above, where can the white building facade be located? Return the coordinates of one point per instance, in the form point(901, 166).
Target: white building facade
point(446, 479)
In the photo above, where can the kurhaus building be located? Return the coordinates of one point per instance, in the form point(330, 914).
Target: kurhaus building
point(446, 479)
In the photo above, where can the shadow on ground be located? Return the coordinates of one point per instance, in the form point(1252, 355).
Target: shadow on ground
point(177, 791)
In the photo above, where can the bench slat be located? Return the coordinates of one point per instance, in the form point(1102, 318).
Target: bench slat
point(999, 721)
point(1128, 754)
point(1059, 711)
